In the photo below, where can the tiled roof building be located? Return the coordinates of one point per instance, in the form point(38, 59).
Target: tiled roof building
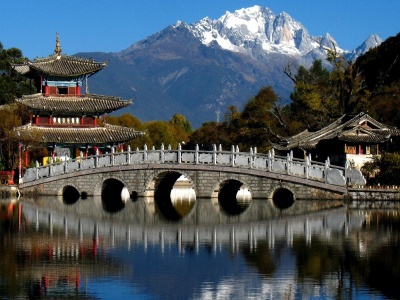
point(355, 138)
point(60, 115)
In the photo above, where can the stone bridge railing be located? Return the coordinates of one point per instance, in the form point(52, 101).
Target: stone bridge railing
point(304, 168)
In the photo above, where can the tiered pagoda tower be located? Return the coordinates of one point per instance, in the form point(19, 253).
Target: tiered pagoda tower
point(60, 115)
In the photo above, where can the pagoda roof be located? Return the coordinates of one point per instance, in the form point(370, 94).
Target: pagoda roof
point(98, 135)
point(60, 66)
point(360, 128)
point(73, 104)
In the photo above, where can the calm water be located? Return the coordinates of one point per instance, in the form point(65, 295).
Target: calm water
point(50, 249)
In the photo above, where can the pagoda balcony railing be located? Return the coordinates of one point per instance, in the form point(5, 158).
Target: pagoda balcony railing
point(63, 95)
point(304, 168)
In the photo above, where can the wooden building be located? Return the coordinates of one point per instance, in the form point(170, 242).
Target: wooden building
point(353, 138)
point(61, 116)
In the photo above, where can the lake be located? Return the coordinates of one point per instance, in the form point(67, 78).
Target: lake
point(52, 248)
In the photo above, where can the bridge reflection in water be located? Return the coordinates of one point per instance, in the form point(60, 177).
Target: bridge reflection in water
point(309, 220)
point(81, 236)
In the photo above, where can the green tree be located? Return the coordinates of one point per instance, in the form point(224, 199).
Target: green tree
point(320, 97)
point(9, 118)
point(309, 103)
point(181, 121)
point(157, 132)
point(209, 134)
point(247, 129)
point(257, 119)
point(162, 132)
point(384, 169)
point(12, 85)
point(346, 85)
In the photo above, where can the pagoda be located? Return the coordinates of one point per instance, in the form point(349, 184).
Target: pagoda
point(63, 117)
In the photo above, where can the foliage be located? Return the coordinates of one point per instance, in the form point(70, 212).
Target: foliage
point(380, 67)
point(320, 96)
point(247, 129)
point(209, 134)
point(384, 169)
point(181, 121)
point(12, 85)
point(10, 117)
point(157, 132)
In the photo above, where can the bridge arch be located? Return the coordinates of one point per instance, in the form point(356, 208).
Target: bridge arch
point(160, 186)
point(153, 180)
point(69, 194)
point(232, 195)
point(282, 196)
point(98, 188)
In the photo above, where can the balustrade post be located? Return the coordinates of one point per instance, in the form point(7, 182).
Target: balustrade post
point(112, 156)
point(145, 152)
point(346, 167)
point(129, 154)
point(288, 163)
point(96, 158)
point(233, 156)
point(81, 160)
point(327, 164)
point(50, 166)
point(251, 158)
point(162, 153)
point(65, 164)
point(214, 155)
point(307, 167)
point(254, 156)
point(269, 161)
point(179, 153)
point(37, 170)
point(196, 154)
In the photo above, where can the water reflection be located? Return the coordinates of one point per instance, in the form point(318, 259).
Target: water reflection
point(183, 197)
point(50, 249)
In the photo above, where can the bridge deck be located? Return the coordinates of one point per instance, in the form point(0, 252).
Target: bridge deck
point(232, 161)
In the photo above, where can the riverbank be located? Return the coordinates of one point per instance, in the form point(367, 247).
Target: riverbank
point(374, 193)
point(9, 191)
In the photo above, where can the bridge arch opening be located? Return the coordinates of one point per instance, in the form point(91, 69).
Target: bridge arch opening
point(174, 195)
point(234, 197)
point(70, 195)
point(283, 198)
point(112, 195)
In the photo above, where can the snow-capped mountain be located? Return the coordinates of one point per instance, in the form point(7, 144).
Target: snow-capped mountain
point(371, 42)
point(259, 31)
point(200, 69)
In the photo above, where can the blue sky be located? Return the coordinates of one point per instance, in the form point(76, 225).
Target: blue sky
point(111, 26)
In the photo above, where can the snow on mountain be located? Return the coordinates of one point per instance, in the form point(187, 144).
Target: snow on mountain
point(250, 30)
point(371, 42)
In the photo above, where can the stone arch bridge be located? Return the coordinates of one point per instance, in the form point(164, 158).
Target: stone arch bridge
point(146, 172)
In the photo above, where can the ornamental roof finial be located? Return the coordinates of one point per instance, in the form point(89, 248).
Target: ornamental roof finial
point(58, 48)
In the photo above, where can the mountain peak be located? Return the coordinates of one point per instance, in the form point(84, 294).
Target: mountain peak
point(371, 42)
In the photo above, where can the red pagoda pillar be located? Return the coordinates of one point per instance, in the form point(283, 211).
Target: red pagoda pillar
point(26, 158)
